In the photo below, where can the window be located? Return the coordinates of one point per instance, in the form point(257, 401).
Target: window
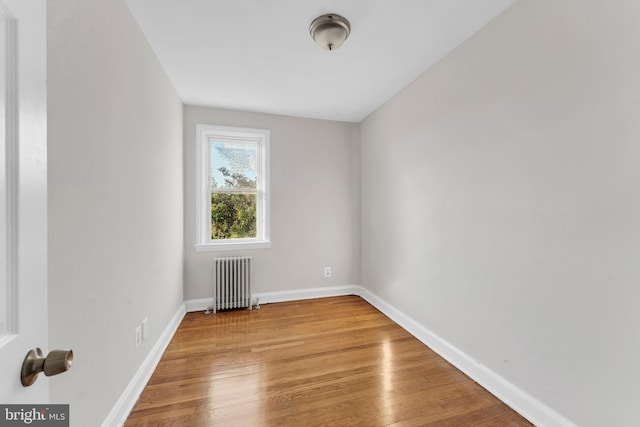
point(232, 188)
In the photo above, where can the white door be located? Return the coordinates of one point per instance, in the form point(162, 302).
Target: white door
point(23, 195)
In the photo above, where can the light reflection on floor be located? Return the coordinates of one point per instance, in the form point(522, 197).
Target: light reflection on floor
point(387, 376)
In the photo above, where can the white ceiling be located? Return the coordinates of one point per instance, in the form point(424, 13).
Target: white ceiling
point(257, 55)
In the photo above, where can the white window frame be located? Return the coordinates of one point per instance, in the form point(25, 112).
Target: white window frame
point(204, 134)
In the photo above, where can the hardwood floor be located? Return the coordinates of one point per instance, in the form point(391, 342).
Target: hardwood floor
point(325, 362)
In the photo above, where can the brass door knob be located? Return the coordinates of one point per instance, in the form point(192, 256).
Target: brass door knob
point(56, 362)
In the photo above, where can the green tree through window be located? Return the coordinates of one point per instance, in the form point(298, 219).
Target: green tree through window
point(233, 215)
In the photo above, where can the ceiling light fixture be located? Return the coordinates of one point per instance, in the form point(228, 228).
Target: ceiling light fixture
point(330, 31)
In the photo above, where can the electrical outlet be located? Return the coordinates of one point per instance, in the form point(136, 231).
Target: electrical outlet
point(327, 272)
point(145, 329)
point(138, 337)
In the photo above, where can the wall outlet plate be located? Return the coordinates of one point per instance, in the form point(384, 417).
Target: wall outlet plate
point(327, 272)
point(145, 329)
point(138, 337)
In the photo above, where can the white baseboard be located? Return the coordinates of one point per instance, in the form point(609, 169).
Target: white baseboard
point(129, 397)
point(300, 294)
point(202, 304)
point(282, 296)
point(526, 405)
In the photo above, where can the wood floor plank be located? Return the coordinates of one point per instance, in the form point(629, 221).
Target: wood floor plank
point(325, 362)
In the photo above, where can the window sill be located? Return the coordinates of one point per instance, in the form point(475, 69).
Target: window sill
point(230, 246)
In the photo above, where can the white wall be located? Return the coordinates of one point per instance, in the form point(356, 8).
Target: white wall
point(500, 203)
point(315, 201)
point(115, 200)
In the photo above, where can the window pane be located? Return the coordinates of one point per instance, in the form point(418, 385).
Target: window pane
point(233, 215)
point(233, 165)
